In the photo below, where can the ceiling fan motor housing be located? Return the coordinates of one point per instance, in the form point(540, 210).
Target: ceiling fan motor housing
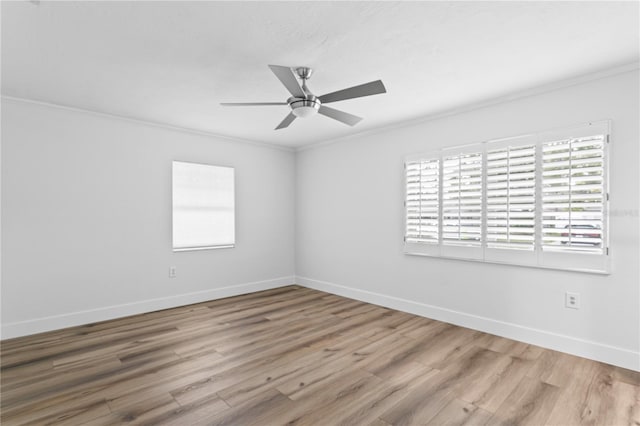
point(304, 107)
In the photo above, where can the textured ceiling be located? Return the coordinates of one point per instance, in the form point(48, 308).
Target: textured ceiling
point(174, 62)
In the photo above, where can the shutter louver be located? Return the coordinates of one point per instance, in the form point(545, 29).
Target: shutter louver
point(422, 202)
point(462, 199)
point(511, 197)
point(573, 195)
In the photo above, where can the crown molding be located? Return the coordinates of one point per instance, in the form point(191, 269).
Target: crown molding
point(581, 79)
point(147, 123)
point(537, 90)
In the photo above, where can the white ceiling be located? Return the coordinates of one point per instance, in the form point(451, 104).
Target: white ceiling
point(174, 62)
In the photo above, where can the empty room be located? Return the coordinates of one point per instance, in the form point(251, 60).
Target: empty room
point(320, 213)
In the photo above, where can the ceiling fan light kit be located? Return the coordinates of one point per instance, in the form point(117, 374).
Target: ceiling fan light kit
point(304, 107)
point(304, 104)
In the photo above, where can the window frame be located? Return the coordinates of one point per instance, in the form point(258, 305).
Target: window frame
point(564, 260)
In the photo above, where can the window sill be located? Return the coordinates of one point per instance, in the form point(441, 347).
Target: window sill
point(203, 248)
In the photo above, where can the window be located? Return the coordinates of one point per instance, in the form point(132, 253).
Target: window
point(538, 200)
point(203, 206)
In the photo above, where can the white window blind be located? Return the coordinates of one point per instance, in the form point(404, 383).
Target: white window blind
point(462, 199)
point(203, 206)
point(422, 202)
point(573, 194)
point(535, 200)
point(511, 197)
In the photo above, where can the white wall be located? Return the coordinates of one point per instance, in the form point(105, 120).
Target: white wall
point(86, 219)
point(349, 219)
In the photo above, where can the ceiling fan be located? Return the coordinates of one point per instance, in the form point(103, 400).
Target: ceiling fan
point(304, 104)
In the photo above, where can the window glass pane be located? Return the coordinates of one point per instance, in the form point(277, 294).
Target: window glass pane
point(203, 206)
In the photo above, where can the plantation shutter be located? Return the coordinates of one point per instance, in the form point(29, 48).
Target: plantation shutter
point(573, 194)
point(462, 203)
point(574, 198)
point(422, 203)
point(511, 197)
point(510, 203)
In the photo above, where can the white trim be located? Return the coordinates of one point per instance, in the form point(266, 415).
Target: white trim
point(534, 91)
point(222, 246)
point(613, 355)
point(55, 322)
point(412, 251)
point(148, 123)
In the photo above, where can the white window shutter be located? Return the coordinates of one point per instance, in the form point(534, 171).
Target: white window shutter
point(462, 195)
point(574, 187)
point(573, 194)
point(511, 197)
point(462, 199)
point(422, 202)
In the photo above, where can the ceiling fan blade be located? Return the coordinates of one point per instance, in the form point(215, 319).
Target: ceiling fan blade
point(251, 103)
point(367, 89)
point(341, 116)
point(288, 78)
point(287, 120)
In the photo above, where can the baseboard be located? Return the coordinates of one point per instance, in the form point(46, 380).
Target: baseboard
point(56, 322)
point(620, 357)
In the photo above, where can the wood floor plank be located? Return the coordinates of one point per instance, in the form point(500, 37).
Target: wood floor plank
point(294, 355)
point(432, 396)
point(70, 416)
point(529, 404)
point(191, 414)
point(376, 400)
point(492, 390)
point(258, 411)
point(145, 410)
point(459, 413)
point(314, 362)
point(593, 396)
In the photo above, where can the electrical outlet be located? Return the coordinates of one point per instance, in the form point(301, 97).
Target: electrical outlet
point(572, 300)
point(172, 271)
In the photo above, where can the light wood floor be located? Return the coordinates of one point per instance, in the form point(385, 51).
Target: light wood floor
point(300, 356)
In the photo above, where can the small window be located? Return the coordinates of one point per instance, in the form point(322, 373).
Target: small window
point(203, 206)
